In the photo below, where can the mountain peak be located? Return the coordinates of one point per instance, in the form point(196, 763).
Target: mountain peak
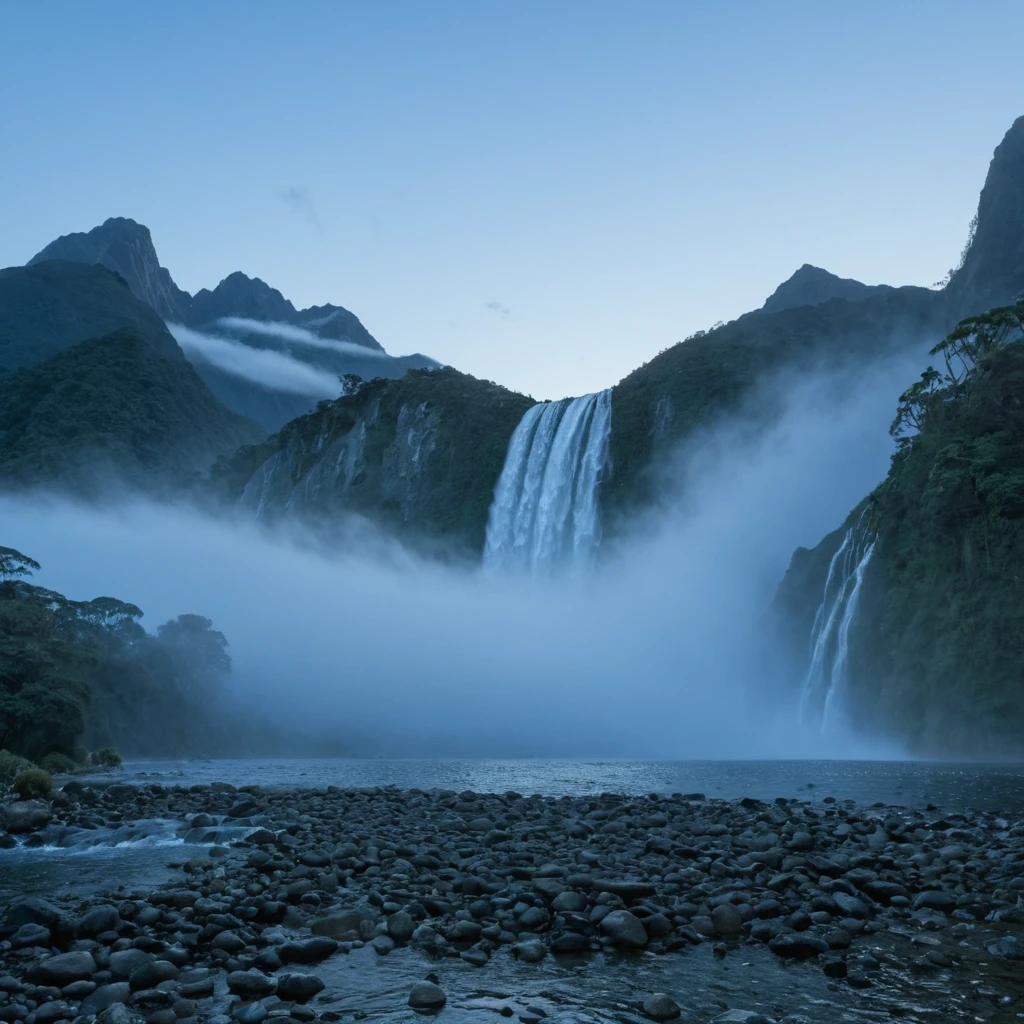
point(811, 286)
point(244, 296)
point(126, 247)
point(992, 270)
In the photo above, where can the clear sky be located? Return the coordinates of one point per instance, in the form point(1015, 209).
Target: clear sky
point(545, 194)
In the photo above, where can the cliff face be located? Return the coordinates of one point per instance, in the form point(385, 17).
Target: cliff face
point(126, 247)
point(992, 271)
point(936, 644)
point(419, 456)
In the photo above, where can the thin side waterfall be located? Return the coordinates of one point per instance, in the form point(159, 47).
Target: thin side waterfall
point(827, 676)
point(545, 512)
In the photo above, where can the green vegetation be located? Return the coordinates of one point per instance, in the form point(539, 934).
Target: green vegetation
point(938, 643)
point(59, 764)
point(107, 758)
point(743, 368)
point(112, 410)
point(32, 784)
point(72, 670)
point(419, 455)
point(10, 766)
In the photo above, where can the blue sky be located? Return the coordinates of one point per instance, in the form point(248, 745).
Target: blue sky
point(542, 194)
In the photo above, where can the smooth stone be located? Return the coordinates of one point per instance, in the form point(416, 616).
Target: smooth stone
point(104, 996)
point(251, 984)
point(298, 987)
point(307, 951)
point(660, 1006)
point(624, 929)
point(800, 945)
point(63, 969)
point(727, 920)
point(425, 995)
point(530, 952)
point(118, 1013)
point(30, 935)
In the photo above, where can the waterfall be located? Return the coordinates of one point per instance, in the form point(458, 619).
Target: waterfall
point(545, 512)
point(827, 675)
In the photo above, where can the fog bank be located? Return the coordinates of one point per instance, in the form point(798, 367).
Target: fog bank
point(659, 653)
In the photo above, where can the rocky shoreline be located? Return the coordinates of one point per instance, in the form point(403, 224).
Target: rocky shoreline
point(865, 902)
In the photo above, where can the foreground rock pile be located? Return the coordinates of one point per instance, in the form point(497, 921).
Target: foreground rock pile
point(320, 872)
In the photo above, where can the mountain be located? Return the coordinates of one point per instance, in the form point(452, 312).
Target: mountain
point(46, 307)
point(991, 272)
point(932, 598)
point(127, 248)
point(910, 613)
point(94, 387)
point(249, 297)
point(240, 313)
point(419, 455)
point(810, 286)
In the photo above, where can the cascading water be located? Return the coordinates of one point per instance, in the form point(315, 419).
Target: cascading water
point(827, 675)
point(545, 512)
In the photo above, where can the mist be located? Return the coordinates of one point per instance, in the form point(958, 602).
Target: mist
point(266, 367)
point(659, 653)
point(289, 332)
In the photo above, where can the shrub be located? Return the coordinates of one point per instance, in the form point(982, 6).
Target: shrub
point(58, 764)
point(80, 755)
point(10, 766)
point(108, 757)
point(33, 782)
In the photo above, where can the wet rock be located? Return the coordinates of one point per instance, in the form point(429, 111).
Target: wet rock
point(100, 919)
point(307, 951)
point(401, 926)
point(250, 1013)
point(298, 987)
point(251, 984)
point(660, 1006)
point(344, 927)
point(624, 929)
point(118, 1013)
point(800, 945)
point(30, 935)
point(31, 911)
point(530, 951)
point(727, 920)
point(125, 962)
point(25, 816)
point(935, 899)
point(629, 891)
point(425, 995)
point(63, 969)
point(104, 996)
point(1009, 947)
point(150, 975)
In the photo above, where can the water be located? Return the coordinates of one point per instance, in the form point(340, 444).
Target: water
point(951, 786)
point(546, 511)
point(824, 689)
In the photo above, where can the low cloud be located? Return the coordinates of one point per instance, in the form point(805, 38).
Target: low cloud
point(266, 367)
point(300, 201)
point(289, 332)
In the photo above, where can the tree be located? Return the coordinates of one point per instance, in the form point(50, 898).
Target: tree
point(976, 336)
point(914, 406)
point(14, 565)
point(199, 650)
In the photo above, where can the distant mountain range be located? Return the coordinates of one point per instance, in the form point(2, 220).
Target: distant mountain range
point(217, 328)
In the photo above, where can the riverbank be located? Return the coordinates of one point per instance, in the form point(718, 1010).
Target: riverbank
point(335, 903)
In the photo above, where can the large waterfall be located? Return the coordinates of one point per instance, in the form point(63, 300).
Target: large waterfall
point(825, 684)
point(545, 512)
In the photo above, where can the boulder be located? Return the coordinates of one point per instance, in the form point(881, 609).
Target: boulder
point(63, 969)
point(624, 929)
point(26, 816)
point(660, 1006)
point(425, 995)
